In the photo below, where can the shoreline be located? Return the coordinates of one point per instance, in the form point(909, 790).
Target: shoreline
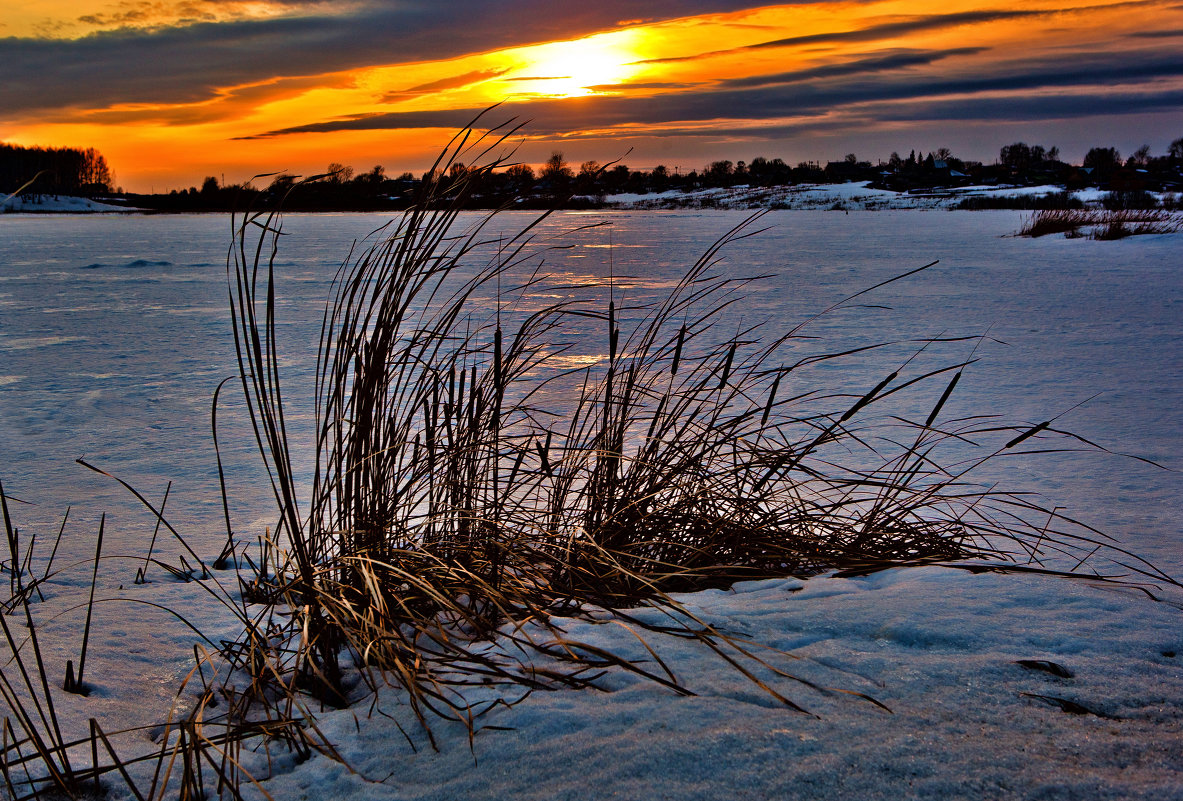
point(850, 196)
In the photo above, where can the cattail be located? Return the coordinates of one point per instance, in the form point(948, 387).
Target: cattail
point(771, 399)
point(932, 416)
point(678, 351)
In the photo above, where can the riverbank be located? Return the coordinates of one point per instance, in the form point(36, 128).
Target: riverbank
point(859, 196)
point(61, 204)
point(850, 196)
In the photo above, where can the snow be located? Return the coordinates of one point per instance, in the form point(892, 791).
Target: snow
point(937, 647)
point(114, 333)
point(850, 196)
point(58, 204)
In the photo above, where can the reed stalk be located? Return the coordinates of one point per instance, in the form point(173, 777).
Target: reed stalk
point(447, 507)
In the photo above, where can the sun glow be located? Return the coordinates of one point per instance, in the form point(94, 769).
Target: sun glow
point(575, 68)
point(731, 81)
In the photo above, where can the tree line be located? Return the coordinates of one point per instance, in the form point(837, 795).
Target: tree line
point(54, 170)
point(560, 183)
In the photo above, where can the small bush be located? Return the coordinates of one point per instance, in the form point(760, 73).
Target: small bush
point(1045, 222)
point(1052, 200)
point(1129, 199)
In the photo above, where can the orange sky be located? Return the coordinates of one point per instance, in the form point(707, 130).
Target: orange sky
point(174, 90)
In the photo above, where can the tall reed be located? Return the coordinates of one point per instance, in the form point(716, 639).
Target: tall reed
point(449, 504)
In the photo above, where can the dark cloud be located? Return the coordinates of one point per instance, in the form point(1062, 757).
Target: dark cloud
point(871, 33)
point(1167, 34)
point(1065, 120)
point(948, 117)
point(239, 101)
point(453, 82)
point(893, 60)
point(871, 84)
point(187, 64)
point(941, 110)
point(917, 24)
point(1041, 107)
point(912, 25)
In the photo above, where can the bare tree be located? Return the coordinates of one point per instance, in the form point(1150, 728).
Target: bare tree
point(339, 173)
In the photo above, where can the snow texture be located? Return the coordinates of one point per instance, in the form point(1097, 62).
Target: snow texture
point(58, 204)
point(851, 196)
point(939, 648)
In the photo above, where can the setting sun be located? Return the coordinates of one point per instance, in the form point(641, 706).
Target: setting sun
point(575, 68)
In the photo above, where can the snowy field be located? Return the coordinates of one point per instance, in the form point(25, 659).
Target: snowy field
point(114, 334)
point(57, 204)
point(849, 196)
point(938, 648)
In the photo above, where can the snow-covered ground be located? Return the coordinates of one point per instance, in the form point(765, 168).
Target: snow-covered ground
point(57, 204)
point(939, 648)
point(114, 334)
point(851, 196)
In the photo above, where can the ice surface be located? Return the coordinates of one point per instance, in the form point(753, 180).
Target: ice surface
point(114, 334)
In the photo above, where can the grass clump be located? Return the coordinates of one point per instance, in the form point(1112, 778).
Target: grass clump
point(1063, 200)
point(453, 515)
point(44, 754)
point(1100, 224)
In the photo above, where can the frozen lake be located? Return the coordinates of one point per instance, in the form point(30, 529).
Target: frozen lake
point(114, 332)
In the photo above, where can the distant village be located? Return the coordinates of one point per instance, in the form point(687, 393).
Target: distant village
point(1139, 180)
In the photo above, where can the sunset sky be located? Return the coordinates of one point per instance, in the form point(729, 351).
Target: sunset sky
point(173, 90)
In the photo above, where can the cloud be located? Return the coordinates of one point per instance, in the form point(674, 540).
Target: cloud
point(868, 34)
point(949, 115)
point(911, 25)
point(1166, 34)
point(1043, 107)
point(645, 86)
point(867, 82)
point(189, 63)
point(150, 15)
point(916, 24)
point(453, 82)
point(892, 60)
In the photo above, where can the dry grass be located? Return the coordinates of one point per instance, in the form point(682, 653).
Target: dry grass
point(1101, 225)
point(39, 759)
point(447, 508)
